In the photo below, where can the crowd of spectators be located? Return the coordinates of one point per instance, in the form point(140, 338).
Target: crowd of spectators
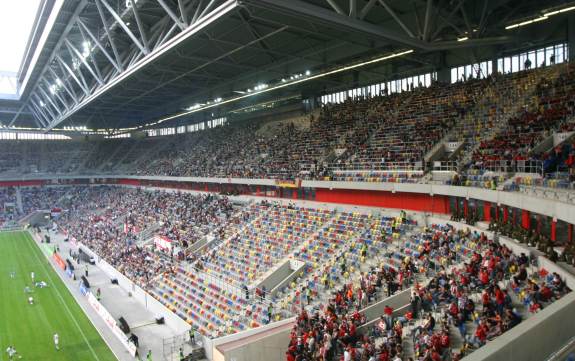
point(109, 220)
point(550, 109)
point(481, 269)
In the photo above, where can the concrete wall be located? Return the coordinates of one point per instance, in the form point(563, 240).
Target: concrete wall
point(534, 339)
point(397, 301)
point(216, 349)
point(267, 348)
point(271, 280)
point(297, 267)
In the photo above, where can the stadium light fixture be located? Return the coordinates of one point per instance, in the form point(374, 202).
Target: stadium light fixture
point(281, 85)
point(560, 11)
point(545, 15)
point(464, 38)
point(527, 22)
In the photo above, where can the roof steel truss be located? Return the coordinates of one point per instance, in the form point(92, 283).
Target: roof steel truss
point(109, 40)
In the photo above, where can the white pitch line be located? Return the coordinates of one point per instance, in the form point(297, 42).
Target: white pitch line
point(64, 302)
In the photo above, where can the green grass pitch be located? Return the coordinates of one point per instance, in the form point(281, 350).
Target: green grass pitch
point(30, 328)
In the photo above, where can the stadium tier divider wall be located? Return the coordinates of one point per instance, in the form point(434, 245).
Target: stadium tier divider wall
point(432, 198)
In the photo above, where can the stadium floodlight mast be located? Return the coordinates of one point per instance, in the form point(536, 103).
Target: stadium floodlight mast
point(196, 108)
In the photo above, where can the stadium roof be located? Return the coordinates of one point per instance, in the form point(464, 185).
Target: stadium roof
point(125, 63)
point(16, 21)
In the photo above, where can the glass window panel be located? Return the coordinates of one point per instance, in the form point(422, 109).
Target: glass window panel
point(531, 56)
point(549, 52)
point(559, 55)
point(540, 57)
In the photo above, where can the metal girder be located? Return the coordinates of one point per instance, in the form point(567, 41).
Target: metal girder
point(79, 56)
point(37, 118)
point(64, 85)
point(183, 12)
point(81, 84)
point(17, 114)
point(107, 68)
point(426, 26)
point(172, 15)
point(317, 14)
point(353, 8)
point(367, 7)
point(335, 6)
point(55, 93)
point(109, 35)
point(50, 100)
point(123, 25)
point(396, 18)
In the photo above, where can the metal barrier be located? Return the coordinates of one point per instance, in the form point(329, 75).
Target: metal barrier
point(513, 166)
point(375, 165)
point(444, 166)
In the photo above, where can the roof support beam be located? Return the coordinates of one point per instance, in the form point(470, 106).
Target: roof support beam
point(81, 84)
point(64, 85)
point(198, 11)
point(50, 101)
point(56, 94)
point(84, 29)
point(43, 108)
point(335, 6)
point(396, 18)
point(366, 9)
point(123, 26)
point(118, 63)
point(171, 14)
point(140, 25)
point(183, 12)
point(353, 8)
point(301, 9)
point(75, 51)
point(40, 121)
point(135, 59)
point(16, 115)
point(428, 8)
point(207, 8)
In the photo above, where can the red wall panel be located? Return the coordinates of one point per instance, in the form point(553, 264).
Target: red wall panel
point(130, 182)
point(29, 183)
point(411, 201)
point(487, 211)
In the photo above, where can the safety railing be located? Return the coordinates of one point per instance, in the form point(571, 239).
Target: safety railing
point(443, 166)
point(376, 165)
point(513, 166)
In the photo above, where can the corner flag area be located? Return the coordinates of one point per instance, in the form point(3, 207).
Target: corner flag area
point(29, 327)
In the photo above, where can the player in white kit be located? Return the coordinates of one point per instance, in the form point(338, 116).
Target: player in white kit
point(57, 341)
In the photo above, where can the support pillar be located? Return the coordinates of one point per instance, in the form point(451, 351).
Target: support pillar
point(570, 233)
point(571, 36)
point(525, 219)
point(465, 207)
point(554, 229)
point(505, 214)
point(487, 211)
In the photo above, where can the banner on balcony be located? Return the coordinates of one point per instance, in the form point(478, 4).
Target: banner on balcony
point(288, 183)
point(163, 242)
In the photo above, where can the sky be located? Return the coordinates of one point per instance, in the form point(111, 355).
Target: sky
point(16, 20)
